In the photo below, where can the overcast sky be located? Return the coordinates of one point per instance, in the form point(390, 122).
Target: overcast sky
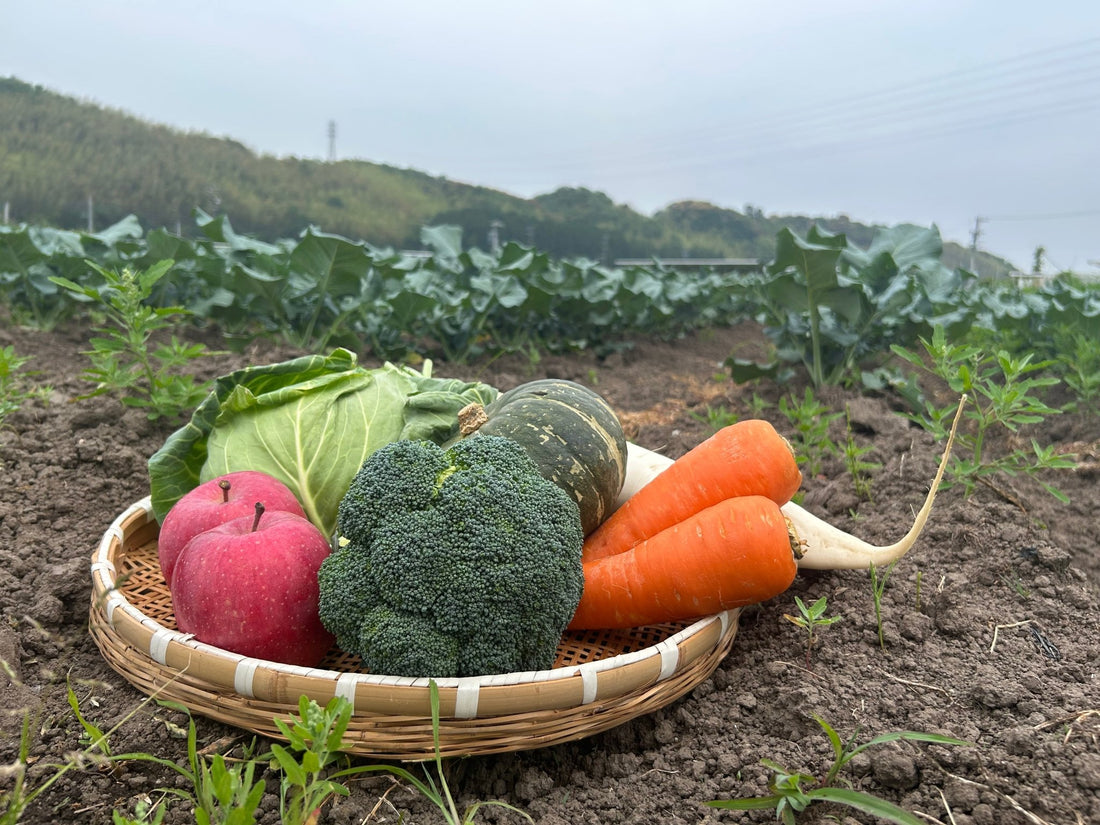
point(936, 111)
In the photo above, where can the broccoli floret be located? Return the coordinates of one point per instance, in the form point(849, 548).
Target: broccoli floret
point(462, 561)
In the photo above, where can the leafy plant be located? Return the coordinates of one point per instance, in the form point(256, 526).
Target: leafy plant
point(859, 468)
point(810, 619)
point(146, 812)
point(226, 792)
point(29, 255)
point(15, 386)
point(314, 740)
point(830, 307)
point(122, 363)
point(789, 798)
point(716, 418)
point(1077, 359)
point(1004, 391)
point(221, 792)
point(811, 421)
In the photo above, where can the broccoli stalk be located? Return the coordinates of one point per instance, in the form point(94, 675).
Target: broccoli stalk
point(462, 561)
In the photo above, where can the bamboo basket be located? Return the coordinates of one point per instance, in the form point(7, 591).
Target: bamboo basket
point(599, 680)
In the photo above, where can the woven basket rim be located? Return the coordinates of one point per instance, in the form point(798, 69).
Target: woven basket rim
point(229, 686)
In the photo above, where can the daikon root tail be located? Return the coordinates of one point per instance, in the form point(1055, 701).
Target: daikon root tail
point(825, 547)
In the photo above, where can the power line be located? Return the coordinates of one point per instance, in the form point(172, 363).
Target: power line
point(976, 85)
point(907, 110)
point(1046, 216)
point(901, 134)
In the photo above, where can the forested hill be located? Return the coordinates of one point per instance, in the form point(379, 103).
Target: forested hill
point(58, 153)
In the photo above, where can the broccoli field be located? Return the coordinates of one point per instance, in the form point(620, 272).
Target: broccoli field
point(988, 627)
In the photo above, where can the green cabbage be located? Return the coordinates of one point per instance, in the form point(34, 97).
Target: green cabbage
point(309, 422)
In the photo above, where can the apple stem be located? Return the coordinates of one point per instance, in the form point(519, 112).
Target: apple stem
point(259, 512)
point(224, 484)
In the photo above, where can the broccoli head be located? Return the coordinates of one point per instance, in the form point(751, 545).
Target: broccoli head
point(458, 561)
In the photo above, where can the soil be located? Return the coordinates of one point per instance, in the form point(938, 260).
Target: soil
point(990, 625)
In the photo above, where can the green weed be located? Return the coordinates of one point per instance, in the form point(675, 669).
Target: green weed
point(15, 384)
point(146, 812)
point(124, 363)
point(810, 619)
point(95, 750)
point(789, 798)
point(811, 421)
point(433, 787)
point(859, 468)
point(716, 418)
point(878, 587)
point(1003, 389)
point(1077, 359)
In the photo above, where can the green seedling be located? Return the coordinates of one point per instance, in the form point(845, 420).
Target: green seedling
point(221, 792)
point(878, 587)
point(716, 418)
point(146, 812)
point(810, 619)
point(15, 801)
point(789, 798)
point(433, 787)
point(859, 468)
point(125, 363)
point(811, 421)
point(225, 792)
point(1076, 356)
point(311, 764)
point(15, 385)
point(314, 739)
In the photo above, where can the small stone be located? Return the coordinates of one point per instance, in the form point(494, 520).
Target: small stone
point(1087, 768)
point(961, 795)
point(533, 784)
point(896, 770)
point(664, 733)
point(1020, 741)
point(998, 694)
point(915, 626)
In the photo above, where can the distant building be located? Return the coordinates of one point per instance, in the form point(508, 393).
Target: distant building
point(739, 264)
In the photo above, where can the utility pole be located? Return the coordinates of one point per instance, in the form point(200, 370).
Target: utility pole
point(974, 235)
point(332, 141)
point(7, 211)
point(494, 235)
point(91, 215)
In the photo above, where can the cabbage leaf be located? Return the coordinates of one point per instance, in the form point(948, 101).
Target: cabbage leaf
point(309, 422)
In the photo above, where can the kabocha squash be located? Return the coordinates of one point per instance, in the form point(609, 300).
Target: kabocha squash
point(570, 432)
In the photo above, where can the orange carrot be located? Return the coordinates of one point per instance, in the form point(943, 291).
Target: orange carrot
point(743, 459)
point(731, 554)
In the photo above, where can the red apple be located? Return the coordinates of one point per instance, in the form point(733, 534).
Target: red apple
point(215, 502)
point(250, 586)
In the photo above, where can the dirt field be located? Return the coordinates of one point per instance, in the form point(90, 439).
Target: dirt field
point(992, 626)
